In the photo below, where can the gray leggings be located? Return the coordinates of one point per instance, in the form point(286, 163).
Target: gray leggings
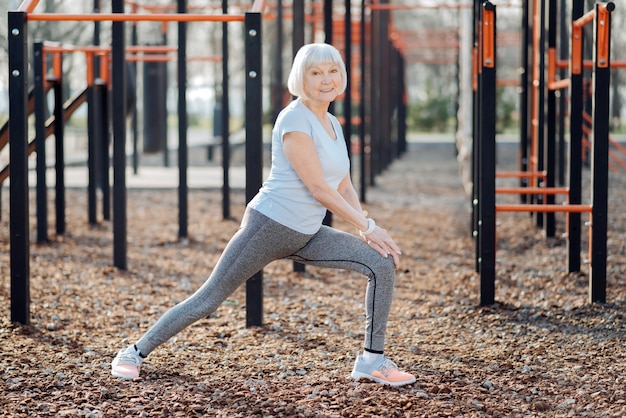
point(260, 241)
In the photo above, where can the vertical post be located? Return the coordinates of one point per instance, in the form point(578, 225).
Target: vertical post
point(225, 121)
point(550, 120)
point(182, 126)
point(134, 121)
point(563, 54)
point(105, 160)
point(539, 83)
point(362, 105)
point(297, 43)
point(600, 152)
point(347, 102)
point(119, 139)
point(18, 149)
point(40, 142)
point(487, 149)
point(277, 73)
point(93, 139)
point(476, 184)
point(254, 148)
point(59, 165)
point(576, 138)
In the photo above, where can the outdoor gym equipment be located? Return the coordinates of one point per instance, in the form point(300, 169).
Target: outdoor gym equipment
point(486, 197)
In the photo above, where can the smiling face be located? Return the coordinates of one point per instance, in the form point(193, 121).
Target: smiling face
point(323, 82)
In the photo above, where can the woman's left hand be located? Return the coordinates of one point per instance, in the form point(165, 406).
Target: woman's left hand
point(384, 244)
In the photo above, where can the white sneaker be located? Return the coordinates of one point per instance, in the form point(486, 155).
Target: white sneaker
point(126, 364)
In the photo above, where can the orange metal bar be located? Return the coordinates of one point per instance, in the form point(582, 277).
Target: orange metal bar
point(489, 38)
point(522, 174)
point(507, 82)
point(56, 65)
point(380, 6)
point(474, 69)
point(603, 35)
point(124, 17)
point(533, 190)
point(213, 58)
point(551, 65)
point(104, 68)
point(89, 59)
point(577, 49)
point(520, 207)
point(28, 6)
point(560, 84)
point(585, 19)
point(149, 58)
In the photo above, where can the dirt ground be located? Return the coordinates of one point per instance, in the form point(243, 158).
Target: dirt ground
point(542, 350)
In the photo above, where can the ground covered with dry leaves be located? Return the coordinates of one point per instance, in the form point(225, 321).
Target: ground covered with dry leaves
point(541, 350)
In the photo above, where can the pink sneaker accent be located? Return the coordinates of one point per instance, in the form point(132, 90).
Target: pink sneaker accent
point(126, 364)
point(386, 372)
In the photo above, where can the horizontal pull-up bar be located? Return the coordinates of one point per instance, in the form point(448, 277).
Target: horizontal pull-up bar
point(520, 207)
point(124, 17)
point(532, 190)
point(522, 174)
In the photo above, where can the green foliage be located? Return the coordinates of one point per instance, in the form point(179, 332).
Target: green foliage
point(506, 110)
point(430, 115)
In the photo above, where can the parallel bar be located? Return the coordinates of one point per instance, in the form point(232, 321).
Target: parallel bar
point(123, 17)
point(532, 190)
point(254, 148)
point(18, 148)
point(544, 208)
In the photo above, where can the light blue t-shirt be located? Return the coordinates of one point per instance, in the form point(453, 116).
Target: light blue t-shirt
point(283, 196)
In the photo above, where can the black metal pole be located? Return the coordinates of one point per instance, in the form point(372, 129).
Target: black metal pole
point(59, 165)
point(254, 148)
point(183, 191)
point(476, 184)
point(297, 42)
point(347, 101)
point(225, 121)
point(18, 154)
point(362, 106)
point(93, 152)
point(487, 167)
point(600, 157)
point(564, 55)
point(550, 122)
point(541, 106)
point(119, 139)
point(40, 142)
point(105, 158)
point(524, 102)
point(134, 121)
point(575, 149)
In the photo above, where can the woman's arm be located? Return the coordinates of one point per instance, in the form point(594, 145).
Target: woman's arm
point(343, 201)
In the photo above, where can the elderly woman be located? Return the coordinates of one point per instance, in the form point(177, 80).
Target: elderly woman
point(309, 175)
